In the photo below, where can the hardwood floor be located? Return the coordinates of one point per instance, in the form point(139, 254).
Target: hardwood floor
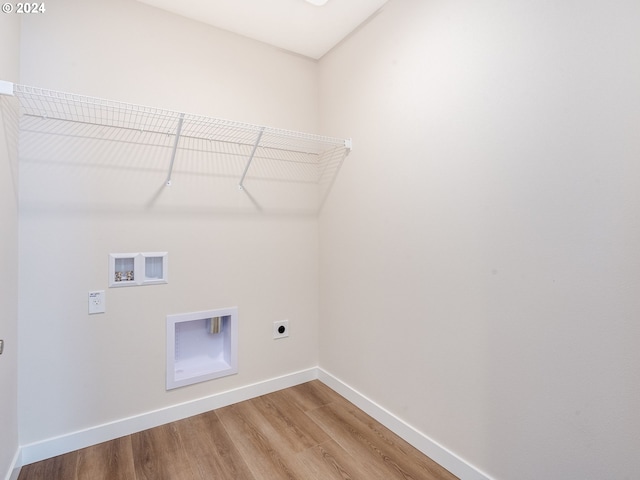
point(307, 432)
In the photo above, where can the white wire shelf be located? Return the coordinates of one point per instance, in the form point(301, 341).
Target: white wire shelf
point(319, 157)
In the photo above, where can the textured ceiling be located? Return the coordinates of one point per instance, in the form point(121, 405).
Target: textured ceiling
point(293, 25)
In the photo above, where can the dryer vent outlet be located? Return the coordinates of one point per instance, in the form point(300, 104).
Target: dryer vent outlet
point(281, 329)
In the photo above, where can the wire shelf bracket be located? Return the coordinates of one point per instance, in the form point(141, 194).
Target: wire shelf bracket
point(6, 88)
point(250, 159)
point(175, 148)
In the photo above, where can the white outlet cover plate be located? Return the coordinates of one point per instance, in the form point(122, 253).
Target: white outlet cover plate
point(277, 325)
point(96, 302)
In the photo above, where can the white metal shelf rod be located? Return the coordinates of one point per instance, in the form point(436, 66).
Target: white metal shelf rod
point(175, 148)
point(253, 152)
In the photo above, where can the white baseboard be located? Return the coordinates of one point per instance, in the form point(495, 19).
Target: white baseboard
point(52, 447)
point(14, 467)
point(419, 440)
point(101, 433)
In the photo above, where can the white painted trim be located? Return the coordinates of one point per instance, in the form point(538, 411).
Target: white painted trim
point(422, 442)
point(14, 466)
point(52, 447)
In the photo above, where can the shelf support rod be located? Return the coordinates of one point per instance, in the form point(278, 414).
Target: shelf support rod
point(253, 152)
point(175, 148)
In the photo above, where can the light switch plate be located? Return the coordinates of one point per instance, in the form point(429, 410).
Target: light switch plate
point(96, 302)
point(1, 346)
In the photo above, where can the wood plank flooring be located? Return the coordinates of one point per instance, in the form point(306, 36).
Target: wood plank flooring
point(307, 432)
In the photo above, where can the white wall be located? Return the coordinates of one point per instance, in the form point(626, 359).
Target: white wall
point(480, 270)
point(134, 53)
point(478, 260)
point(9, 66)
point(82, 199)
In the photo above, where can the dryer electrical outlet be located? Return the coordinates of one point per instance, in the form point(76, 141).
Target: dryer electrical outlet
point(281, 329)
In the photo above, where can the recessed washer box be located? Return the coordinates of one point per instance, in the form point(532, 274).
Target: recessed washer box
point(132, 269)
point(201, 346)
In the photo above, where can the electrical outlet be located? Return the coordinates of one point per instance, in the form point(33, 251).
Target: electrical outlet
point(281, 329)
point(96, 302)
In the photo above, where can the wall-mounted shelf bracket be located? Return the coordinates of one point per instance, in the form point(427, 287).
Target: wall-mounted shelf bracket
point(253, 152)
point(6, 88)
point(175, 148)
point(348, 144)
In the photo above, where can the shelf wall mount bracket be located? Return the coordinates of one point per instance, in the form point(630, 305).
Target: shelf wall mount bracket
point(253, 152)
point(348, 144)
point(6, 88)
point(175, 148)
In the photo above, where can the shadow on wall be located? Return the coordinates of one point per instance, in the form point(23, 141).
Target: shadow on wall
point(9, 111)
point(73, 165)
